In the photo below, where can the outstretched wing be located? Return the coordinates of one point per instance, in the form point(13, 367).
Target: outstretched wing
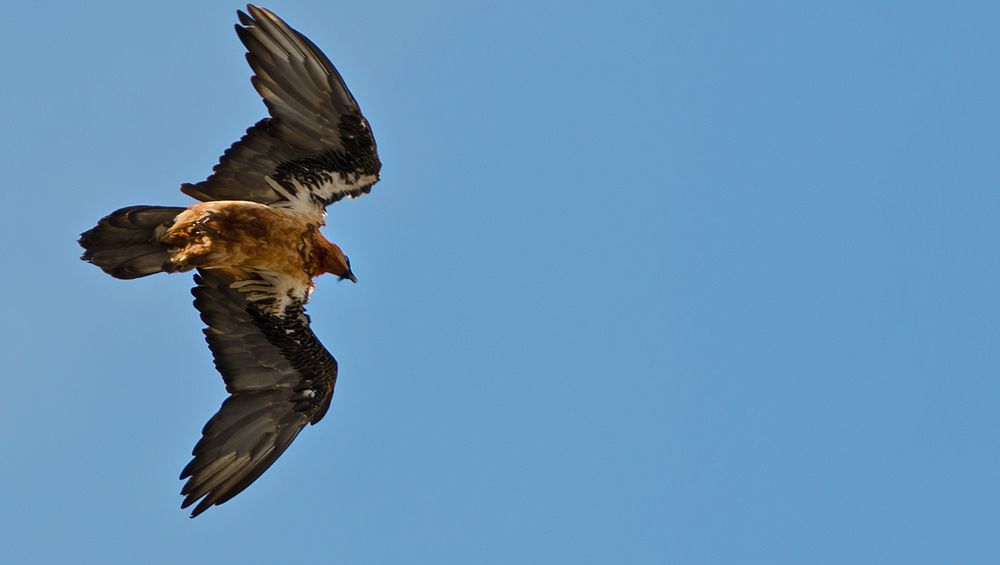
point(279, 377)
point(316, 147)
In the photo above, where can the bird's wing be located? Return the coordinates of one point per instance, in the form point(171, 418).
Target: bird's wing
point(279, 377)
point(316, 147)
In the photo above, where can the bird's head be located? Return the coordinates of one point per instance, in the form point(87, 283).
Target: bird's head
point(332, 260)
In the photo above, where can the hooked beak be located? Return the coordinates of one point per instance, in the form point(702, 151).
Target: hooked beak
point(350, 276)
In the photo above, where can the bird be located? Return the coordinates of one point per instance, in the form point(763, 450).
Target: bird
point(253, 239)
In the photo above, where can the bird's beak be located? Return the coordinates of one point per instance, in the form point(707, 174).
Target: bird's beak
point(350, 276)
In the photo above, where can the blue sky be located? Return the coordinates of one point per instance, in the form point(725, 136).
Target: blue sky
point(648, 282)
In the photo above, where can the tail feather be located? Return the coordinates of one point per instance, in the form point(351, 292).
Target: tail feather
point(124, 245)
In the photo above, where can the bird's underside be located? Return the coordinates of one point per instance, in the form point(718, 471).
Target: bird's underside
point(255, 244)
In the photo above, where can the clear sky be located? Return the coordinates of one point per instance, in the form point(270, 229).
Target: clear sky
point(649, 282)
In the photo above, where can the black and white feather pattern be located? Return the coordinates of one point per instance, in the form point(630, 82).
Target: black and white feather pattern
point(316, 147)
point(278, 374)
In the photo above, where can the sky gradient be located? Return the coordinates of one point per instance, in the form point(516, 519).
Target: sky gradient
point(647, 282)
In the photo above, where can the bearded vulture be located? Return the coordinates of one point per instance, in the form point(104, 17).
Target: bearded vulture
point(254, 241)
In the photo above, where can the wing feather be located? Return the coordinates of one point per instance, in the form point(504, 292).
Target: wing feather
point(315, 148)
point(278, 374)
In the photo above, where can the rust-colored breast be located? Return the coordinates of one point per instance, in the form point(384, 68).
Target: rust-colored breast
point(243, 234)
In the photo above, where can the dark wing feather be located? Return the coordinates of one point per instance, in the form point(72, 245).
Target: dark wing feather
point(316, 147)
point(279, 376)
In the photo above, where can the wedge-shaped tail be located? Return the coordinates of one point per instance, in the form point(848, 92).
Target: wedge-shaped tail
point(124, 243)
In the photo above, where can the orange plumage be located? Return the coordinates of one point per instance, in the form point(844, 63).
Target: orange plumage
point(234, 233)
point(254, 240)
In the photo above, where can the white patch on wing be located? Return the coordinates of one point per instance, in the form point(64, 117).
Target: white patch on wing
point(273, 292)
point(341, 183)
point(307, 197)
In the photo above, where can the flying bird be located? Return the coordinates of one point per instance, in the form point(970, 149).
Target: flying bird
point(254, 241)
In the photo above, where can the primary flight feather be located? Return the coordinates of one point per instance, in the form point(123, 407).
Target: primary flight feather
point(254, 240)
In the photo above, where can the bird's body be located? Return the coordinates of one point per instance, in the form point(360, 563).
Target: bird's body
point(254, 239)
point(249, 235)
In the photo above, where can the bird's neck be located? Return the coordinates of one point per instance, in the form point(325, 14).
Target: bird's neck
point(327, 257)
